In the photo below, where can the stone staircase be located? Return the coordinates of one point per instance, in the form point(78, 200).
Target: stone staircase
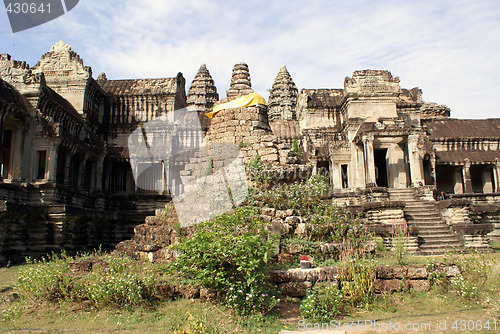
point(434, 237)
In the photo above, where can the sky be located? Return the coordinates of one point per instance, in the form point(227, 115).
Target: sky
point(449, 49)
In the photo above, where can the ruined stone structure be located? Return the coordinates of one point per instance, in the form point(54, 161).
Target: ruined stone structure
point(67, 180)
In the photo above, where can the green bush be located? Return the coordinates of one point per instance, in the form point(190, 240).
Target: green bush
point(258, 297)
point(118, 281)
point(330, 223)
point(229, 252)
point(324, 302)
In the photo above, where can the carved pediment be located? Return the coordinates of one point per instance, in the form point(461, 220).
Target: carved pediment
point(372, 82)
point(61, 63)
point(17, 72)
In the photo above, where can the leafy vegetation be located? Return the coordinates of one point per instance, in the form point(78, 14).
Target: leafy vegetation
point(231, 254)
point(112, 281)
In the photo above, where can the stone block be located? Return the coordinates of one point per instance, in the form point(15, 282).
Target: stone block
point(293, 220)
point(278, 276)
point(293, 249)
point(267, 219)
point(452, 271)
point(387, 286)
point(301, 229)
point(278, 227)
point(295, 289)
point(327, 273)
point(417, 272)
point(269, 211)
point(281, 214)
point(390, 272)
point(419, 285)
point(270, 157)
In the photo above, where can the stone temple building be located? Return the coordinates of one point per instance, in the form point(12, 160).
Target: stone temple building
point(66, 179)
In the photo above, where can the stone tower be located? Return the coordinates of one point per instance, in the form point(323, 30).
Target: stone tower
point(202, 95)
point(283, 97)
point(241, 126)
point(240, 82)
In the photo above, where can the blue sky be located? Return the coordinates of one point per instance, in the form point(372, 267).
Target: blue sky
point(450, 49)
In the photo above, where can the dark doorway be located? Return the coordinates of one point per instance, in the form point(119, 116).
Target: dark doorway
point(445, 182)
point(381, 167)
point(428, 178)
point(345, 178)
point(323, 167)
point(7, 143)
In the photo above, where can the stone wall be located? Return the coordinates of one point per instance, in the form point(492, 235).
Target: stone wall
point(388, 279)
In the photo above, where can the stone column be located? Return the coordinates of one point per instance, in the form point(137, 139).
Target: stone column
point(414, 161)
point(370, 178)
point(433, 169)
point(467, 178)
point(81, 174)
point(336, 175)
point(496, 172)
point(67, 176)
point(51, 163)
point(99, 171)
point(458, 188)
point(487, 181)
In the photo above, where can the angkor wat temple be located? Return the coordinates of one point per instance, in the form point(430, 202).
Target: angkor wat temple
point(66, 180)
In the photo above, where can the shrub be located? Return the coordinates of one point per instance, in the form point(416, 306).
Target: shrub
point(330, 223)
point(357, 275)
point(400, 234)
point(302, 197)
point(118, 281)
point(228, 252)
point(257, 297)
point(323, 302)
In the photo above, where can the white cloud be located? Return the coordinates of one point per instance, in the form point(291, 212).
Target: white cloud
point(447, 48)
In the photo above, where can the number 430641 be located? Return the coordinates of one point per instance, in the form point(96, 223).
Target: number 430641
point(27, 8)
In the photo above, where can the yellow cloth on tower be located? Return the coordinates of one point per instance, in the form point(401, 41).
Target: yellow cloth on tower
point(245, 101)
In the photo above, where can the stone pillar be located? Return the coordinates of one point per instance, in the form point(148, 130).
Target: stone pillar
point(487, 181)
point(67, 166)
point(106, 176)
point(458, 181)
point(496, 172)
point(52, 163)
point(93, 170)
point(433, 169)
point(467, 178)
point(81, 174)
point(98, 174)
point(370, 178)
point(414, 161)
point(336, 175)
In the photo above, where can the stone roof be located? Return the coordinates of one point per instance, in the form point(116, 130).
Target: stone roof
point(139, 86)
point(61, 102)
point(463, 128)
point(458, 157)
point(323, 98)
point(11, 96)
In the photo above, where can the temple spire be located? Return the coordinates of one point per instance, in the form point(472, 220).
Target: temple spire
point(283, 97)
point(202, 95)
point(240, 81)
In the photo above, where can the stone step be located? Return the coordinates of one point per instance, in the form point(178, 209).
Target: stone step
point(437, 244)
